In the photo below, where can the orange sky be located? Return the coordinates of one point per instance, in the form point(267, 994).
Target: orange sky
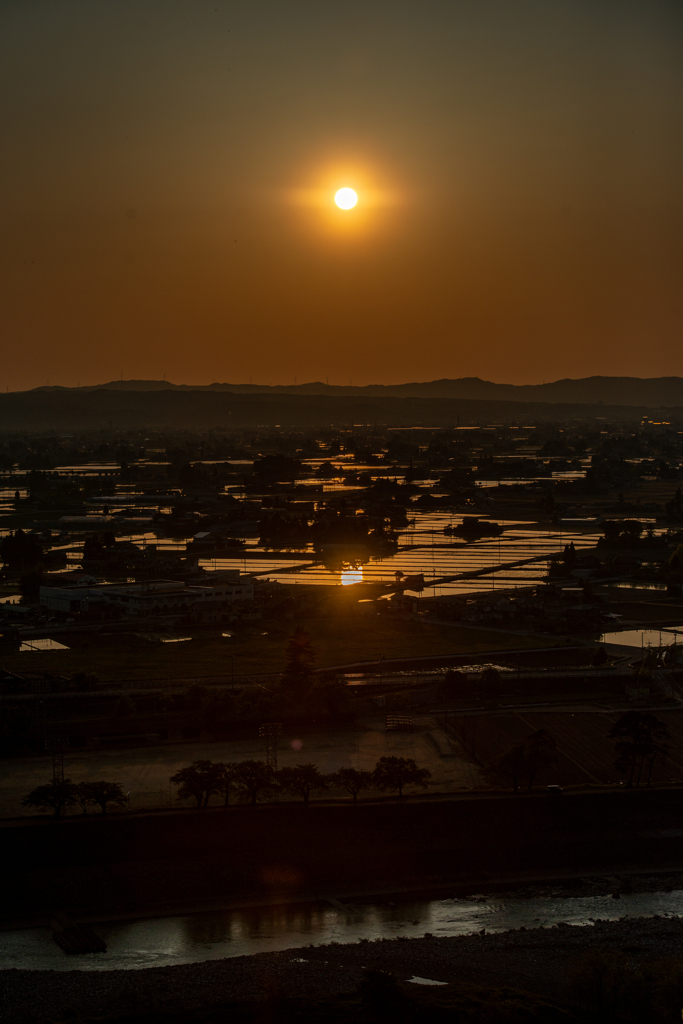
point(168, 174)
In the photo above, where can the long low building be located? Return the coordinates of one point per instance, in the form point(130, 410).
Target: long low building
point(156, 597)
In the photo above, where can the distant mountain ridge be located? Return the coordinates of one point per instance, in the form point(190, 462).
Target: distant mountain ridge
point(640, 391)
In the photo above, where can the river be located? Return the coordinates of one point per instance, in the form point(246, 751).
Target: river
point(164, 942)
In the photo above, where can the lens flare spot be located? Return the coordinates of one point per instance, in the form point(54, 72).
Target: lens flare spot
point(296, 744)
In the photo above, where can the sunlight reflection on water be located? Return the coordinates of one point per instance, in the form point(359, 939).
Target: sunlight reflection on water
point(162, 942)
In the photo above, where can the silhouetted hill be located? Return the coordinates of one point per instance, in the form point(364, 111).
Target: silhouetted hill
point(652, 391)
point(102, 409)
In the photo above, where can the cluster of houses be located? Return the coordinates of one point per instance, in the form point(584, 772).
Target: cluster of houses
point(555, 608)
point(208, 600)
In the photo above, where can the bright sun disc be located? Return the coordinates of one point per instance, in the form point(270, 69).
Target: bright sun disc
point(346, 198)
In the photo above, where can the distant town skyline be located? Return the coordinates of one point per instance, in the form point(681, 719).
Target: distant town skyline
point(170, 171)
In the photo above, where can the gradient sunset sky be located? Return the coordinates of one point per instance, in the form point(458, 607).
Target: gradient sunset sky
point(168, 173)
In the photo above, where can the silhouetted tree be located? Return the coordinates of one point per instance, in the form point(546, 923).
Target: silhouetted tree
point(225, 780)
point(93, 548)
point(453, 684)
point(199, 781)
point(30, 584)
point(53, 796)
point(641, 738)
point(254, 778)
point(101, 793)
point(298, 675)
point(20, 549)
point(80, 793)
point(353, 780)
point(302, 780)
point(625, 532)
point(397, 772)
point(600, 658)
point(569, 555)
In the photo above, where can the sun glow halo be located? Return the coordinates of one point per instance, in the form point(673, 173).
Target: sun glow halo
point(351, 576)
point(346, 198)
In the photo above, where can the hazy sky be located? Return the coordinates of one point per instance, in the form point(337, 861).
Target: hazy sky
point(168, 170)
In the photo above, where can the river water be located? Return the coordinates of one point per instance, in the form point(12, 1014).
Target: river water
point(164, 942)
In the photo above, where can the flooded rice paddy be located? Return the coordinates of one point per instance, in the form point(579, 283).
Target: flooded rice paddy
point(645, 637)
point(423, 548)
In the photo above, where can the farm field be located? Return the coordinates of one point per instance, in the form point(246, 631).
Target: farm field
point(585, 754)
point(337, 641)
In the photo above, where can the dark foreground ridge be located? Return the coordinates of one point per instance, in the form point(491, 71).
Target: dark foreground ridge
point(126, 410)
point(558, 974)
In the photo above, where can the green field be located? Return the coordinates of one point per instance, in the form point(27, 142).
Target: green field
point(338, 641)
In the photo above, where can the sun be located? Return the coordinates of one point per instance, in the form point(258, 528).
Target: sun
point(346, 199)
point(354, 574)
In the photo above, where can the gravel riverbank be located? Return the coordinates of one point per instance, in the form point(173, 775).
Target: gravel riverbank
point(538, 961)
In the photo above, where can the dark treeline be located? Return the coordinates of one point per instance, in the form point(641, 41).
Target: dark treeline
point(248, 780)
point(40, 410)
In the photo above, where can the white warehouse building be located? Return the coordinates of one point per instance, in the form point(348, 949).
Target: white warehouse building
point(156, 597)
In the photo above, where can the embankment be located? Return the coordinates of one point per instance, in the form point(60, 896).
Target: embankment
point(154, 864)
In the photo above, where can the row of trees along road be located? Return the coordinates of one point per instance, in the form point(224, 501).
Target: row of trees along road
point(640, 740)
point(57, 796)
point(253, 779)
point(203, 779)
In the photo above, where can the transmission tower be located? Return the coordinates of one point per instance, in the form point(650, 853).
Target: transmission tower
point(56, 747)
point(270, 731)
point(50, 743)
point(41, 725)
